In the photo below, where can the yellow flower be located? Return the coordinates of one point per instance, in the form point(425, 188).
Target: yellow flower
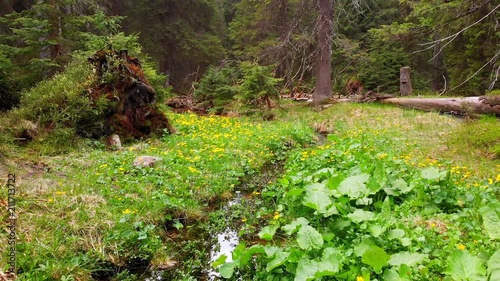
point(50, 200)
point(243, 219)
point(277, 215)
point(255, 193)
point(60, 192)
point(127, 211)
point(360, 278)
point(103, 166)
point(192, 169)
point(498, 178)
point(433, 224)
point(461, 247)
point(490, 181)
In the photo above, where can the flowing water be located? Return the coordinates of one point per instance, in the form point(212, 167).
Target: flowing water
point(227, 240)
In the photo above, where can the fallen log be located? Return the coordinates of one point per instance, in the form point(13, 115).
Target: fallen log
point(463, 106)
point(466, 105)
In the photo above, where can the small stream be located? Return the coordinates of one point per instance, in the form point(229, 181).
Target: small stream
point(227, 240)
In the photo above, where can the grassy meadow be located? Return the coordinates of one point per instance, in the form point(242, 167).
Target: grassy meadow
point(389, 194)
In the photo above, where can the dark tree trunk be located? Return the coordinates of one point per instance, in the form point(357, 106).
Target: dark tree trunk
point(55, 31)
point(405, 81)
point(5, 8)
point(323, 89)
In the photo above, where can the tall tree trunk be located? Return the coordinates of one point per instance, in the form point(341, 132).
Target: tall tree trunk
point(5, 8)
point(55, 30)
point(323, 88)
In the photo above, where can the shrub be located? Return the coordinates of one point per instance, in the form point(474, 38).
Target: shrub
point(61, 106)
point(258, 86)
point(218, 87)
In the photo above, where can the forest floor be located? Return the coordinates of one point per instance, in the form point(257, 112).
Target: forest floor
point(91, 215)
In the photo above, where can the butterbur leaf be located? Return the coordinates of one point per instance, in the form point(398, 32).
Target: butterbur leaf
point(317, 197)
point(325, 171)
point(328, 236)
point(267, 233)
point(407, 258)
point(221, 260)
point(375, 257)
point(332, 210)
point(463, 266)
point(392, 275)
point(272, 250)
point(405, 242)
point(491, 220)
point(396, 234)
point(432, 173)
point(334, 181)
point(354, 187)
point(292, 227)
point(294, 192)
point(279, 259)
point(494, 266)
point(309, 238)
point(401, 186)
point(376, 230)
point(226, 270)
point(248, 254)
point(238, 251)
point(295, 255)
point(360, 249)
point(306, 269)
point(330, 264)
point(360, 215)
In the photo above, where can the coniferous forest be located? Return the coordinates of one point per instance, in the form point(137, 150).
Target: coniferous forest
point(249, 140)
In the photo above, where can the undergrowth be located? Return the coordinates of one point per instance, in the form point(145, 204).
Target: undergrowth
point(358, 209)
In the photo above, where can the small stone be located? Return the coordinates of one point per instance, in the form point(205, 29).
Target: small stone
point(114, 142)
point(145, 161)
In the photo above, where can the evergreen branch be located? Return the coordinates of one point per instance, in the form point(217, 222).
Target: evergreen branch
point(453, 36)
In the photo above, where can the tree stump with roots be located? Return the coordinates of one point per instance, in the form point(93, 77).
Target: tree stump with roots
point(130, 110)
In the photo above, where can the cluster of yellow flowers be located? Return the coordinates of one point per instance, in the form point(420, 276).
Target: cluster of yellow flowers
point(128, 211)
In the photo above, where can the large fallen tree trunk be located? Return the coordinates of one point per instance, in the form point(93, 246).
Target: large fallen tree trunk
point(467, 105)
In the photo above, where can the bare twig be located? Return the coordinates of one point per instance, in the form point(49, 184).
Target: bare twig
point(493, 82)
point(445, 86)
point(475, 73)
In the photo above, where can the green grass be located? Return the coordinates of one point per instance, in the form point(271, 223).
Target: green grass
point(469, 143)
point(89, 212)
point(94, 209)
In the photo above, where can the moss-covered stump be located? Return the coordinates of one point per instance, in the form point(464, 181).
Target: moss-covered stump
point(131, 110)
